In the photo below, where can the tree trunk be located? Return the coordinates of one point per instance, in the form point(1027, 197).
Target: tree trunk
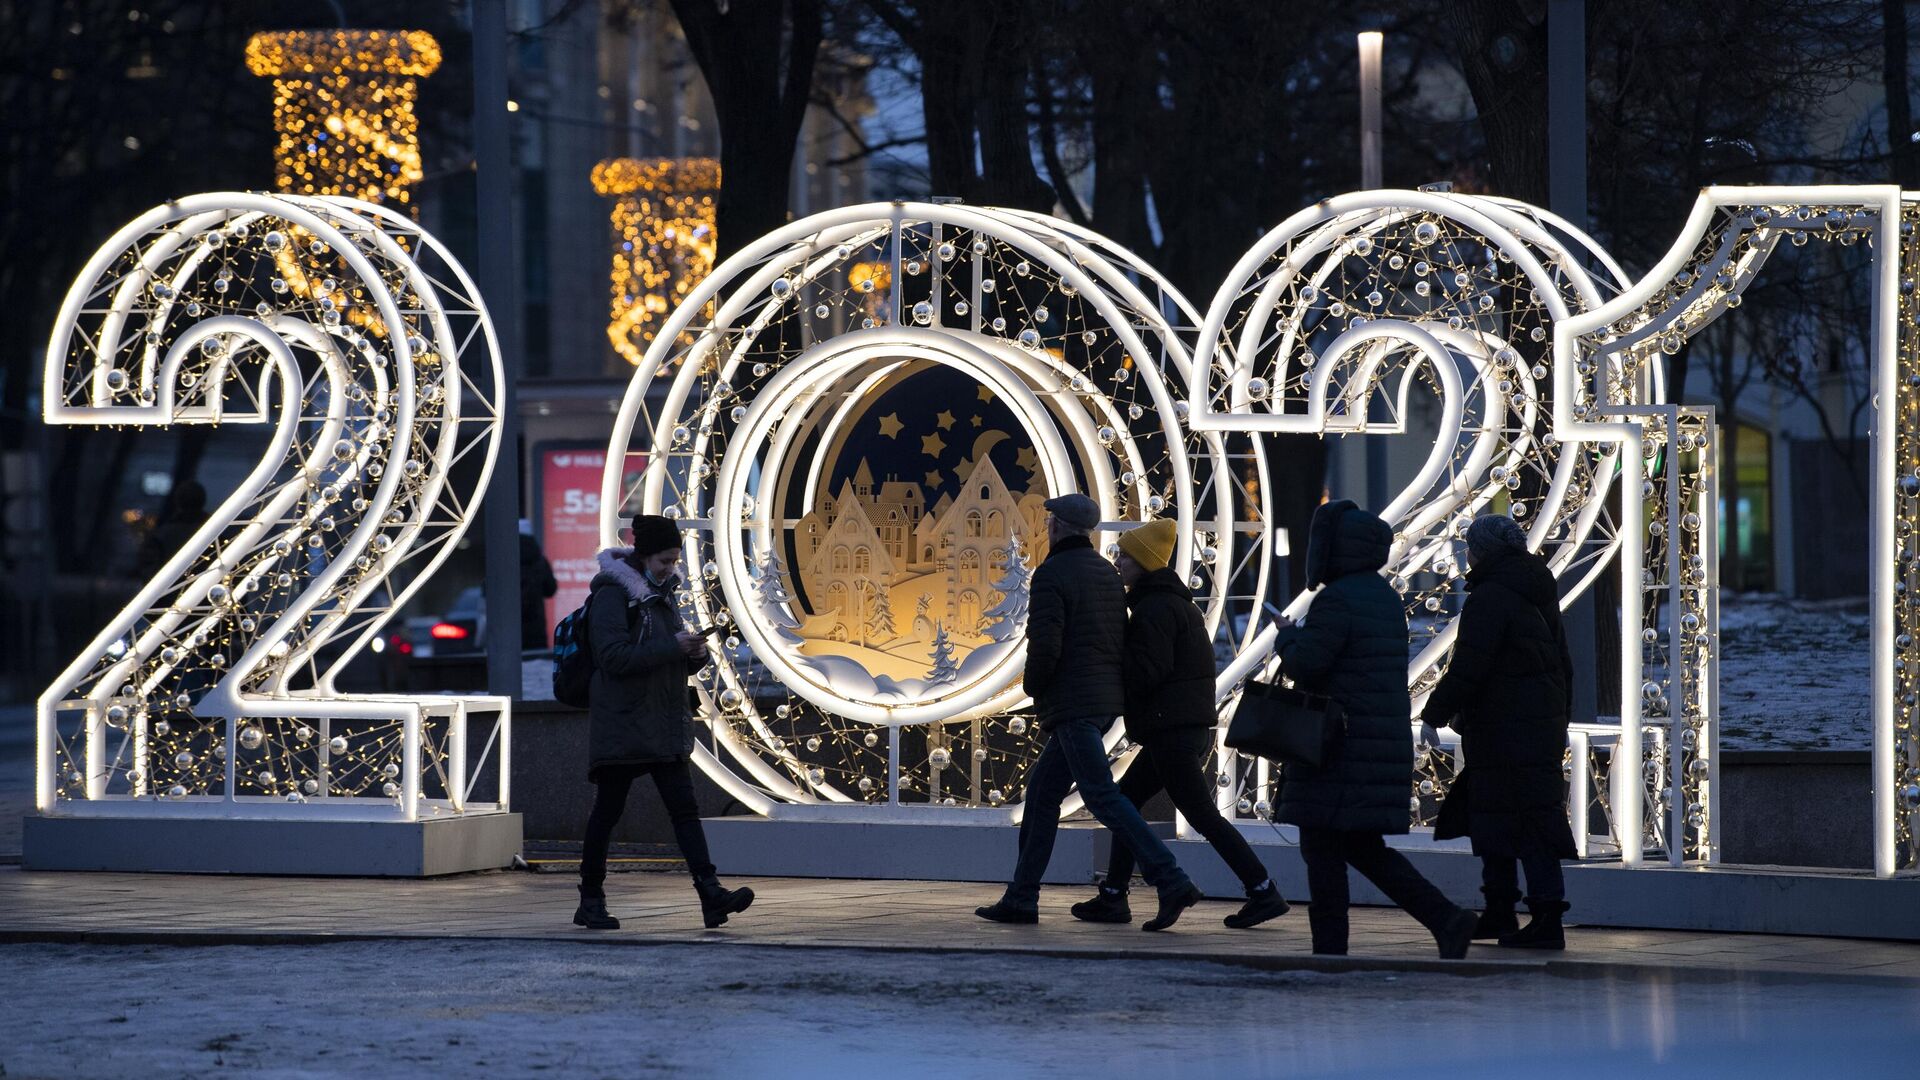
point(757, 58)
point(1503, 54)
point(1906, 163)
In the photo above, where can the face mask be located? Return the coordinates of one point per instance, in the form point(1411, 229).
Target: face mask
point(660, 584)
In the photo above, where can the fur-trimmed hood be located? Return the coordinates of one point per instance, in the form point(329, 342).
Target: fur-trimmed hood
point(615, 569)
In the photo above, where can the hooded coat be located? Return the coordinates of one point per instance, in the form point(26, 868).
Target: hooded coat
point(1508, 692)
point(637, 708)
point(1169, 658)
point(1352, 647)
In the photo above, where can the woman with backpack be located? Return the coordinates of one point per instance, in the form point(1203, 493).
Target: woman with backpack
point(640, 723)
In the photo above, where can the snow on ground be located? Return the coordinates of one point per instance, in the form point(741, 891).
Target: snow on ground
point(503, 1009)
point(1795, 675)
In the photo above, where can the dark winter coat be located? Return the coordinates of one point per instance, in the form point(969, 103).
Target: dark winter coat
point(638, 710)
point(536, 585)
point(1169, 658)
point(1352, 646)
point(1076, 636)
point(1508, 692)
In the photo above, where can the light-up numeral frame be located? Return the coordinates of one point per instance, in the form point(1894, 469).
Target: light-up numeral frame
point(1730, 233)
point(1460, 295)
point(763, 363)
point(365, 346)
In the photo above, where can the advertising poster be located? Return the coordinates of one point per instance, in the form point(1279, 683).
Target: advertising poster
point(570, 518)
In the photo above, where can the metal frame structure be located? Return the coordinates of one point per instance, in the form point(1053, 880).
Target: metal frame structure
point(364, 345)
point(765, 358)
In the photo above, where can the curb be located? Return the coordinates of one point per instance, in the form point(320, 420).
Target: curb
point(1277, 964)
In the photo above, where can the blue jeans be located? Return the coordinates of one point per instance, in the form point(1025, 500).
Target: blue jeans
point(1074, 755)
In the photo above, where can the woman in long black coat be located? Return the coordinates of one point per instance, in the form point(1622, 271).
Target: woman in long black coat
point(1508, 692)
point(1352, 647)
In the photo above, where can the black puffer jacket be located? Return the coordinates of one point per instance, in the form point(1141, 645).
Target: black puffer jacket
point(1352, 646)
point(1076, 634)
point(638, 710)
point(1507, 691)
point(1169, 658)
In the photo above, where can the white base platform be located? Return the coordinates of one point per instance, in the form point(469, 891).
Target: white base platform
point(185, 845)
point(1746, 899)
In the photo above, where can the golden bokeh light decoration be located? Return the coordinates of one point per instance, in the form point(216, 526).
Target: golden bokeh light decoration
point(664, 240)
point(343, 107)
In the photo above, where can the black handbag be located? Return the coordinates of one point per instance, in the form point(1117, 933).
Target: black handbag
point(1287, 725)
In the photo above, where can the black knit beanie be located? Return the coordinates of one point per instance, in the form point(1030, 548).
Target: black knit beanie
point(653, 534)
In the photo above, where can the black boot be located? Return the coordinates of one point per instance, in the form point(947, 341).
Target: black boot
point(1329, 930)
point(717, 901)
point(1004, 910)
point(1262, 904)
point(1109, 905)
point(1498, 920)
point(1172, 904)
point(1543, 931)
point(1454, 935)
point(592, 913)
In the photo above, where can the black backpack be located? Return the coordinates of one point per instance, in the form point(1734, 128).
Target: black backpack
point(573, 656)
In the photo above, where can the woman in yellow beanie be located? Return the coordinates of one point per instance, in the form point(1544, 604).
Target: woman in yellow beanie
point(1170, 713)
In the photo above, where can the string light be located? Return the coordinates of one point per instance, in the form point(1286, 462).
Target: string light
point(343, 106)
point(664, 240)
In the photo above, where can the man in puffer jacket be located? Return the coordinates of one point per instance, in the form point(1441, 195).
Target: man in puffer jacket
point(1076, 637)
point(1171, 715)
point(1352, 647)
point(1508, 692)
point(639, 722)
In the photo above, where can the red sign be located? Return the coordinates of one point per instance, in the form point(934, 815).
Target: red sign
point(570, 520)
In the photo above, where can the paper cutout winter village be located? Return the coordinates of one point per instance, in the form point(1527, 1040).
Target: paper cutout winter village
point(902, 597)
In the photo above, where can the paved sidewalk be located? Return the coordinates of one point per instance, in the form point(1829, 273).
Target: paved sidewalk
point(886, 915)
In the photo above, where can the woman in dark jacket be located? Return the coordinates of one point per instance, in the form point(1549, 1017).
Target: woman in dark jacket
point(639, 723)
point(1170, 713)
point(1352, 647)
point(1508, 691)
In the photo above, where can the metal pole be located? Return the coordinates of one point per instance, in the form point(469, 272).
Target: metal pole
point(493, 198)
point(1370, 42)
point(1567, 197)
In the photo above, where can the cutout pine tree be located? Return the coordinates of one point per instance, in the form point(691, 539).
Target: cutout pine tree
point(944, 668)
point(775, 604)
point(1010, 614)
point(880, 620)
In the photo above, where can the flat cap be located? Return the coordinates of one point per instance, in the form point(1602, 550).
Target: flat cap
point(1075, 510)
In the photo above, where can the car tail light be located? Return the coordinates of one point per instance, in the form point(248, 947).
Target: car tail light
point(446, 631)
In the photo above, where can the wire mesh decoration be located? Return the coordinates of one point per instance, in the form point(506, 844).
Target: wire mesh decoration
point(770, 367)
point(362, 346)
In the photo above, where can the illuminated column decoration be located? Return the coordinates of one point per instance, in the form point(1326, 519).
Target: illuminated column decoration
point(212, 693)
point(663, 240)
point(862, 413)
point(343, 108)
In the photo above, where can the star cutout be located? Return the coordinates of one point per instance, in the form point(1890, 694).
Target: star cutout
point(945, 420)
point(1027, 459)
point(976, 419)
point(932, 445)
point(890, 425)
point(985, 392)
point(934, 479)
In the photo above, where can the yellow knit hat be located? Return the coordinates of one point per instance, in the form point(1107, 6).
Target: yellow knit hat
point(1151, 545)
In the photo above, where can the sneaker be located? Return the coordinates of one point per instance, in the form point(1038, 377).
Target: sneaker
point(1172, 904)
point(1109, 905)
point(1002, 912)
point(1262, 904)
